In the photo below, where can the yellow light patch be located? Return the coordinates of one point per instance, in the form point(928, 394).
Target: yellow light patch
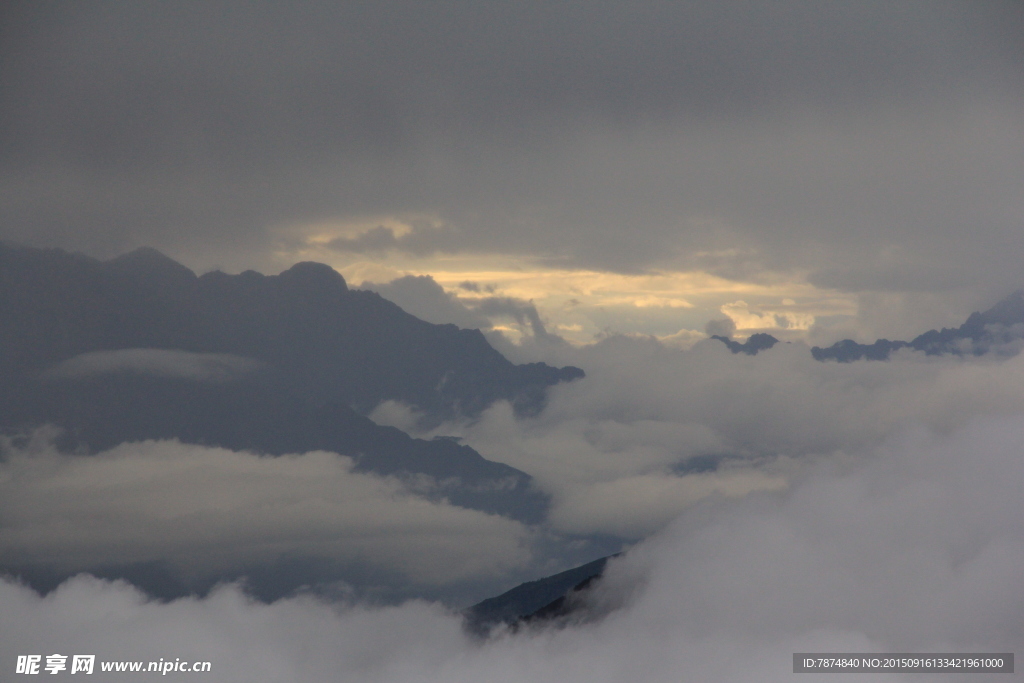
point(581, 304)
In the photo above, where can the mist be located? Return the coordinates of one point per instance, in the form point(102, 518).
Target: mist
point(208, 512)
point(913, 546)
point(653, 429)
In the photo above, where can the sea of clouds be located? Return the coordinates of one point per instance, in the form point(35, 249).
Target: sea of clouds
point(621, 451)
point(777, 505)
point(916, 546)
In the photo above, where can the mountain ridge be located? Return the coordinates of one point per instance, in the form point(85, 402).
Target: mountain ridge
point(999, 329)
point(334, 343)
point(759, 341)
point(140, 348)
point(533, 601)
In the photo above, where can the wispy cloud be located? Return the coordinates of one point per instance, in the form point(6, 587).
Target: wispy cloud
point(215, 367)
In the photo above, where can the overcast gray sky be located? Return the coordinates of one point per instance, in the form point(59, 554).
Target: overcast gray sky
point(812, 169)
point(806, 152)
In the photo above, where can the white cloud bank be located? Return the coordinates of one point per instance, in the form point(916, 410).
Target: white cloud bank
point(615, 449)
point(917, 546)
point(210, 510)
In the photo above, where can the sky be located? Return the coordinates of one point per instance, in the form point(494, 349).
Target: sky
point(599, 184)
point(816, 170)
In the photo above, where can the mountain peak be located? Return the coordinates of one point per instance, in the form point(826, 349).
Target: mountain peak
point(1008, 311)
point(310, 273)
point(997, 330)
point(149, 263)
point(759, 341)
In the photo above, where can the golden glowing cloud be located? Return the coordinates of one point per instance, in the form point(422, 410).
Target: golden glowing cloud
point(673, 305)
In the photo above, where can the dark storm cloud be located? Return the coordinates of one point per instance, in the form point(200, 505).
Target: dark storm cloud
point(811, 132)
point(523, 312)
point(421, 296)
point(232, 84)
point(422, 240)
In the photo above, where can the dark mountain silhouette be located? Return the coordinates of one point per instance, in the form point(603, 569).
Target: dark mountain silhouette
point(565, 609)
point(139, 348)
point(324, 341)
point(545, 599)
point(313, 349)
point(998, 330)
point(252, 414)
point(847, 350)
point(756, 342)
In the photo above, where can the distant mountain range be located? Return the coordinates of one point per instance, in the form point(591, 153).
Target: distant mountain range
point(998, 330)
point(323, 341)
point(756, 342)
point(139, 348)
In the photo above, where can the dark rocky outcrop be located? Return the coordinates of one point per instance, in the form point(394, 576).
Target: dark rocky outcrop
point(756, 342)
point(534, 602)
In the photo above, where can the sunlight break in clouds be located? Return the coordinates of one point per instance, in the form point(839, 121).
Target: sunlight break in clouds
point(747, 318)
point(582, 304)
point(917, 548)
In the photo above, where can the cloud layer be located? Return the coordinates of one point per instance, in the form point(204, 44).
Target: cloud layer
point(654, 423)
point(211, 512)
point(850, 147)
point(649, 433)
point(916, 546)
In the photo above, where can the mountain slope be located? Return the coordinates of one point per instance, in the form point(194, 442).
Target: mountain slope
point(533, 600)
point(140, 348)
point(324, 341)
point(998, 330)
